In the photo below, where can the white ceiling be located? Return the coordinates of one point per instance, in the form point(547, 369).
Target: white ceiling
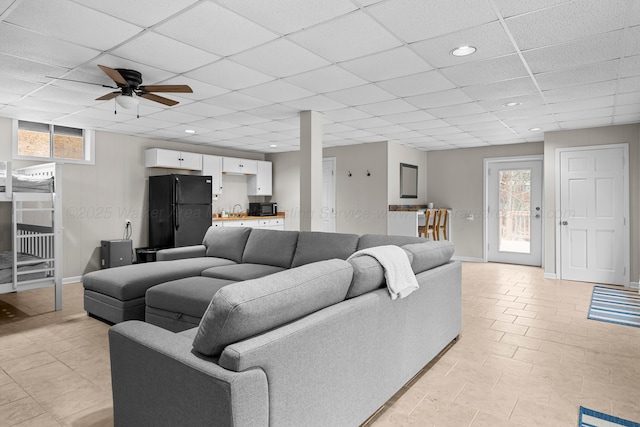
point(377, 69)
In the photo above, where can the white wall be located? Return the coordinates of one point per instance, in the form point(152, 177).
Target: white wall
point(286, 186)
point(456, 182)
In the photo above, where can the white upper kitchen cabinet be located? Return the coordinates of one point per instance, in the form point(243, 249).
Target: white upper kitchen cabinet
point(171, 159)
point(212, 165)
point(237, 166)
point(260, 184)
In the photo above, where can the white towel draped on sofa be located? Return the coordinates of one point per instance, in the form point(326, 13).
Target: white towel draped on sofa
point(401, 280)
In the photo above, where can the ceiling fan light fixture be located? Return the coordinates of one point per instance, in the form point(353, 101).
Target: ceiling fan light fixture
point(127, 101)
point(463, 51)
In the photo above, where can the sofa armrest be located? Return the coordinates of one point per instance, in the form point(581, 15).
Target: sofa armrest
point(181, 253)
point(155, 369)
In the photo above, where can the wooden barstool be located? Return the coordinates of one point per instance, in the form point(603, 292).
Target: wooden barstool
point(427, 228)
point(440, 224)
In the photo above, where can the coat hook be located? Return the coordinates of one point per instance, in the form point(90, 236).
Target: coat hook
point(349, 173)
point(368, 173)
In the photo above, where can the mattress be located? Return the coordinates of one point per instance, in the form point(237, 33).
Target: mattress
point(27, 184)
point(6, 267)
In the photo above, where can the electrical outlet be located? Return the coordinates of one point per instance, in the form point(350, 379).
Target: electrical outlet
point(127, 222)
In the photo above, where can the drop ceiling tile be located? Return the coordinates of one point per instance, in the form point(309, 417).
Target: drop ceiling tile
point(336, 128)
point(583, 115)
point(367, 123)
point(384, 108)
point(286, 16)
point(354, 134)
point(409, 117)
point(360, 95)
point(426, 124)
point(619, 119)
point(229, 75)
point(82, 122)
point(242, 118)
point(393, 63)
point(632, 35)
point(65, 96)
point(408, 135)
point(277, 91)
point(213, 124)
point(630, 66)
point(315, 103)
point(274, 137)
point(23, 69)
point(440, 99)
point(73, 23)
point(142, 13)
point(439, 132)
point(274, 126)
point(280, 58)
point(420, 20)
point(11, 111)
point(503, 89)
point(247, 130)
point(344, 114)
point(176, 56)
point(390, 129)
point(516, 113)
point(364, 35)
point(473, 118)
point(588, 123)
point(526, 101)
point(474, 127)
point(457, 110)
point(16, 86)
point(46, 105)
point(326, 79)
point(599, 48)
point(490, 40)
point(221, 135)
point(627, 98)
point(583, 104)
point(202, 109)
point(486, 71)
point(200, 89)
point(510, 8)
point(237, 101)
point(591, 73)
point(200, 131)
point(146, 122)
point(175, 116)
point(215, 29)
point(549, 26)
point(275, 112)
point(629, 84)
point(127, 128)
point(27, 44)
point(416, 84)
point(593, 90)
point(8, 98)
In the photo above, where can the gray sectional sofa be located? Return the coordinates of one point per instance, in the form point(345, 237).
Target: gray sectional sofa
point(271, 328)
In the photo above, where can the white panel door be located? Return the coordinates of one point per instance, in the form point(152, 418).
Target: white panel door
point(514, 224)
point(328, 214)
point(593, 210)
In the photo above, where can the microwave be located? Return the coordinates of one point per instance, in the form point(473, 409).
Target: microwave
point(263, 209)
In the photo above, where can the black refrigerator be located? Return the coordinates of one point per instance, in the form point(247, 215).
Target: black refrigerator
point(179, 210)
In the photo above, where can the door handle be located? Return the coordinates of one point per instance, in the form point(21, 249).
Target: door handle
point(564, 223)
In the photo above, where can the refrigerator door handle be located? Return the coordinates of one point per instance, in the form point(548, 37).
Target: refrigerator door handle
point(176, 211)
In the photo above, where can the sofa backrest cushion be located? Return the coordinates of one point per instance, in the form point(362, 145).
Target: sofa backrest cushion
point(371, 240)
point(270, 247)
point(368, 275)
point(316, 246)
point(429, 255)
point(245, 309)
point(226, 242)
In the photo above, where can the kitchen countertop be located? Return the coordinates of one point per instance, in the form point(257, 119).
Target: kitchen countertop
point(246, 217)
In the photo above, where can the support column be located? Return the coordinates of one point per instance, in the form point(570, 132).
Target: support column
point(310, 171)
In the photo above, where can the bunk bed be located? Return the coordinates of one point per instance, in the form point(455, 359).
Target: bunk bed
point(35, 261)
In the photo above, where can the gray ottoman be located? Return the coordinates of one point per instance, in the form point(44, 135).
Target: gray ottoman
point(179, 305)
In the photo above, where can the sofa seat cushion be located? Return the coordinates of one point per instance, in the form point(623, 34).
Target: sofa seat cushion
point(226, 242)
point(270, 247)
point(316, 246)
point(132, 281)
point(429, 255)
point(248, 308)
point(190, 296)
point(241, 272)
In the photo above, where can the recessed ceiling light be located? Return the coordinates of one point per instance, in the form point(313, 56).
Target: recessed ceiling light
point(190, 131)
point(273, 145)
point(512, 104)
point(463, 51)
point(534, 129)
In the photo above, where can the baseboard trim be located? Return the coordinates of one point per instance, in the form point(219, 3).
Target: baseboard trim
point(467, 259)
point(550, 276)
point(73, 279)
point(634, 285)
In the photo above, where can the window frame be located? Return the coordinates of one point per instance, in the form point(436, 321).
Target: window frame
point(88, 140)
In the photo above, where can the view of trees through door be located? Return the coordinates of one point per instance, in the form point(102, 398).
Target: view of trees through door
point(515, 211)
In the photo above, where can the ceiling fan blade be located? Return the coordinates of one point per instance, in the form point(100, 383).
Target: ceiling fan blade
point(114, 75)
point(108, 96)
point(157, 98)
point(167, 88)
point(80, 81)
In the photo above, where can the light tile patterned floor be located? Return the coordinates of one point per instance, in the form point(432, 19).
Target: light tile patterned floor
point(527, 356)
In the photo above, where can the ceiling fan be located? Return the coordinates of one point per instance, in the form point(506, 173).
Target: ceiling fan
point(129, 83)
